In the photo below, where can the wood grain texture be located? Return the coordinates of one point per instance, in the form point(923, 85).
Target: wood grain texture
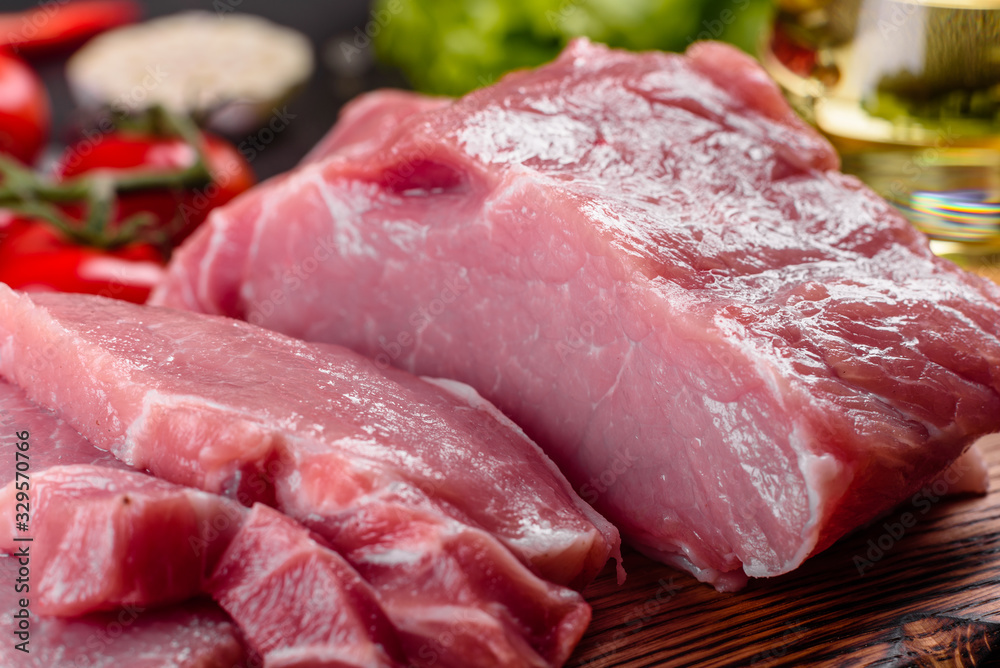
point(930, 598)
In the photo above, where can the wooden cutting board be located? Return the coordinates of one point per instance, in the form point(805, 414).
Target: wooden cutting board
point(931, 599)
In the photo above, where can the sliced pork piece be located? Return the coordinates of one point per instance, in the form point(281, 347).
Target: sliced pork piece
point(649, 263)
point(104, 538)
point(970, 474)
point(299, 602)
point(399, 542)
point(196, 634)
point(192, 635)
point(230, 398)
point(326, 436)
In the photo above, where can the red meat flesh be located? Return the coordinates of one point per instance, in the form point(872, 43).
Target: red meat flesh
point(104, 538)
point(110, 539)
point(298, 602)
point(367, 118)
point(196, 634)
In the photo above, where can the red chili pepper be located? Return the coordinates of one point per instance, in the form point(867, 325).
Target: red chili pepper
point(56, 26)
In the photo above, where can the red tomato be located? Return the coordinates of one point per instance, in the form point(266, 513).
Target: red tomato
point(53, 27)
point(35, 257)
point(24, 110)
point(177, 210)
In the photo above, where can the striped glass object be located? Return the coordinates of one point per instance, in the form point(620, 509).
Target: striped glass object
point(909, 93)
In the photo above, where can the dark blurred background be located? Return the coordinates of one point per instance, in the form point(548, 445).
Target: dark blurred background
point(315, 108)
point(440, 46)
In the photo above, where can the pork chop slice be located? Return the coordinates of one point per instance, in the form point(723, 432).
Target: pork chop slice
point(298, 602)
point(326, 436)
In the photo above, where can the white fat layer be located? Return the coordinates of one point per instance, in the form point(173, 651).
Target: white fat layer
point(127, 451)
point(156, 400)
point(556, 540)
point(826, 481)
point(551, 542)
point(216, 241)
point(974, 470)
point(393, 557)
point(468, 394)
point(261, 223)
point(724, 581)
point(346, 230)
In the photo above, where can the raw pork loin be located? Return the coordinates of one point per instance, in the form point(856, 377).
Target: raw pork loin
point(650, 264)
point(438, 501)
